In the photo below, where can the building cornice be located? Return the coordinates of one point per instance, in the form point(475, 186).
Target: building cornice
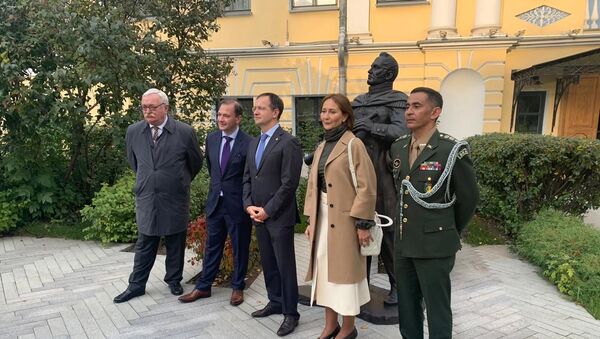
point(508, 43)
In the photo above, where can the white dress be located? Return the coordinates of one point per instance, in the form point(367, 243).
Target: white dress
point(344, 299)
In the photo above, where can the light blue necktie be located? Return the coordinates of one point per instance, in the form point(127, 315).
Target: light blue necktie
point(261, 149)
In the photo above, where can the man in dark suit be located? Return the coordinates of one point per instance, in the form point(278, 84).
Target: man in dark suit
point(225, 157)
point(165, 156)
point(437, 194)
point(271, 177)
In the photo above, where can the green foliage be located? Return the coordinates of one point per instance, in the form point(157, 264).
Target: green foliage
point(248, 125)
point(10, 211)
point(71, 76)
point(482, 231)
point(310, 133)
point(112, 213)
point(199, 193)
point(568, 251)
point(522, 173)
point(300, 195)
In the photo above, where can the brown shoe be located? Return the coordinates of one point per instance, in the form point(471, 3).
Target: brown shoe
point(194, 295)
point(237, 297)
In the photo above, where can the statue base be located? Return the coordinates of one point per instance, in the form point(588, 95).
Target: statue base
point(375, 311)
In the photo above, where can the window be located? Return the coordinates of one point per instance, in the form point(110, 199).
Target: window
point(530, 112)
point(398, 2)
point(312, 3)
point(238, 6)
point(308, 126)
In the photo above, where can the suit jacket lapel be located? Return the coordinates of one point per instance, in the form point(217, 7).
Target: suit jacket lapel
point(215, 149)
point(161, 149)
point(252, 154)
point(147, 144)
point(272, 142)
point(234, 150)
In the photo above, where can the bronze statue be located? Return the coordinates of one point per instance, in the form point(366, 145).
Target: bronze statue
point(379, 121)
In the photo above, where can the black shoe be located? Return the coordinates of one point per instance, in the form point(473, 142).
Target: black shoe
point(128, 294)
point(352, 334)
point(392, 298)
point(288, 326)
point(266, 311)
point(332, 334)
point(176, 289)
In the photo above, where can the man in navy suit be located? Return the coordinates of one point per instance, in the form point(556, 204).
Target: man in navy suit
point(270, 180)
point(226, 157)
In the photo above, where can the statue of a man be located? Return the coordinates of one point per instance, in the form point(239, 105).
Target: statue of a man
point(379, 121)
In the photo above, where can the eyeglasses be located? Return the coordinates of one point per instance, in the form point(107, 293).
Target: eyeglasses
point(150, 107)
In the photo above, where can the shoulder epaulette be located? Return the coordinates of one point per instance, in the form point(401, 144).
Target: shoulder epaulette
point(402, 137)
point(448, 137)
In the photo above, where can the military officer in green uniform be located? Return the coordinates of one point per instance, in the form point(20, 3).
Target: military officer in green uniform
point(437, 195)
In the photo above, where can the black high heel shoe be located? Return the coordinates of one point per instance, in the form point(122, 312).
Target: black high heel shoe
point(332, 334)
point(352, 334)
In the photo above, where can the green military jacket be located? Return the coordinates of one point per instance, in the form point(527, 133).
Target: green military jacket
point(427, 232)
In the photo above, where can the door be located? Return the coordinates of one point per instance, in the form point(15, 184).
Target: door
point(581, 107)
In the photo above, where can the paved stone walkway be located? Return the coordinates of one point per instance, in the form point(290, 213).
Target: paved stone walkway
point(64, 289)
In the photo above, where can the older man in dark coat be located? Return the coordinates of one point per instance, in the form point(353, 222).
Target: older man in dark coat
point(165, 156)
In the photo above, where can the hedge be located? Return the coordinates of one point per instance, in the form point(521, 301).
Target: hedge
point(111, 215)
point(568, 251)
point(519, 174)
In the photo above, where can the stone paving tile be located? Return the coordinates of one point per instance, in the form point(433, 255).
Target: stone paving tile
point(54, 288)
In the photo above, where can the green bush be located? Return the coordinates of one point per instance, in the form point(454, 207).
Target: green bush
point(310, 133)
point(568, 251)
point(199, 193)
point(111, 215)
point(300, 194)
point(519, 174)
point(10, 211)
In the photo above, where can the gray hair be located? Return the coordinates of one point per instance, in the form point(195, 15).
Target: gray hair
point(163, 97)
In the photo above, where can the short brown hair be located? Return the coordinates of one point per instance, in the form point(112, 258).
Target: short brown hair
point(276, 102)
point(238, 109)
point(344, 104)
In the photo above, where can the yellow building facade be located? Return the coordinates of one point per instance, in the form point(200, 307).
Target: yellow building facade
point(483, 55)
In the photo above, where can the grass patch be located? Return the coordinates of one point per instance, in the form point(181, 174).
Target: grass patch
point(482, 231)
point(568, 251)
point(53, 229)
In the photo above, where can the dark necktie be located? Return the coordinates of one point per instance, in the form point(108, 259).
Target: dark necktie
point(261, 149)
point(225, 154)
point(154, 134)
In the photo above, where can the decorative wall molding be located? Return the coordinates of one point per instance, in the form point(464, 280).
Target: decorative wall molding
point(543, 16)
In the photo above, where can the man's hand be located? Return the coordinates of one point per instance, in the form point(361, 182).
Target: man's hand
point(363, 125)
point(257, 214)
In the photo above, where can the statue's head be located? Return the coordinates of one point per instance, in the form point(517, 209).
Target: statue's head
point(383, 69)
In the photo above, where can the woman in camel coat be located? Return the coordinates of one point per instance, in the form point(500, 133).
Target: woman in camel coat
point(339, 218)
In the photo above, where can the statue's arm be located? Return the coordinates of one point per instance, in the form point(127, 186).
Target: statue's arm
point(393, 130)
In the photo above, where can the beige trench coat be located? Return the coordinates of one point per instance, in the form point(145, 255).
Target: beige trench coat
point(346, 264)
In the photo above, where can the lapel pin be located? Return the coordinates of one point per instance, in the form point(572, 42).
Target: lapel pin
point(396, 163)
